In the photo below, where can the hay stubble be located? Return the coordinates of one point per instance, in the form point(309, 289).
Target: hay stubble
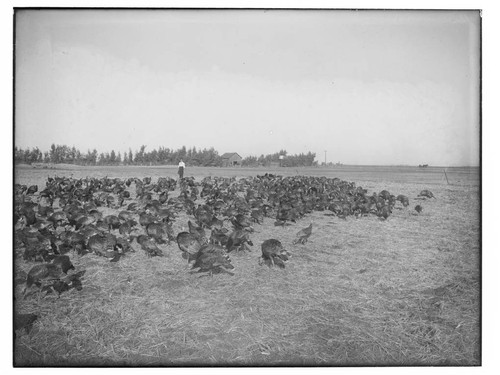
point(359, 292)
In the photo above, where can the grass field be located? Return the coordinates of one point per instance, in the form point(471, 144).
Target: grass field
point(405, 291)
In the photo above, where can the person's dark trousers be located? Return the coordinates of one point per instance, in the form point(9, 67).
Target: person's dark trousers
point(181, 172)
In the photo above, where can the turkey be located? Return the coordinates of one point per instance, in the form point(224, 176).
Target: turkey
point(126, 215)
point(24, 321)
point(43, 273)
point(163, 197)
point(189, 245)
point(383, 212)
point(64, 262)
point(125, 229)
point(58, 219)
point(132, 206)
point(197, 231)
point(238, 240)
point(149, 245)
point(213, 259)
point(104, 245)
point(52, 276)
point(166, 215)
point(203, 216)
point(32, 190)
point(273, 253)
point(427, 194)
point(257, 216)
point(161, 232)
point(283, 215)
point(241, 221)
point(112, 221)
point(303, 235)
point(69, 282)
point(84, 220)
point(216, 223)
point(219, 236)
point(403, 199)
point(75, 240)
point(146, 218)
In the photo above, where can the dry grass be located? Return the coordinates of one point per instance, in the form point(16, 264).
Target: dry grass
point(361, 292)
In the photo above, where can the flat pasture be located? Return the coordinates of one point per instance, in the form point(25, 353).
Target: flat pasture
point(361, 291)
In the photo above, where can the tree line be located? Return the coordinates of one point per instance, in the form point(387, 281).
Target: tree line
point(162, 156)
point(298, 160)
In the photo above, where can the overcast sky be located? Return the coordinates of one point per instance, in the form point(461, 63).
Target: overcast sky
point(369, 87)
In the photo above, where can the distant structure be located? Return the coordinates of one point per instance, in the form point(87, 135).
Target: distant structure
point(231, 159)
point(423, 165)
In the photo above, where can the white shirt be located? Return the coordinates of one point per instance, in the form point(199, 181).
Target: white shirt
point(181, 164)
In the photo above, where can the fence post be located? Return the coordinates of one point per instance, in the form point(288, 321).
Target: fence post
point(448, 182)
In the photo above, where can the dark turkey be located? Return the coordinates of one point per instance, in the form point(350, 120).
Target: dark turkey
point(32, 190)
point(383, 212)
point(197, 231)
point(64, 262)
point(126, 215)
point(112, 221)
point(213, 259)
point(161, 232)
point(63, 285)
point(203, 216)
point(58, 218)
point(146, 218)
point(52, 276)
point(403, 199)
point(43, 273)
point(427, 194)
point(241, 221)
point(219, 236)
point(273, 253)
point(103, 245)
point(149, 245)
point(257, 216)
point(189, 245)
point(125, 229)
point(238, 240)
point(24, 321)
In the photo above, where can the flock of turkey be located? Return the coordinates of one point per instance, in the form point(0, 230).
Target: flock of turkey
point(67, 216)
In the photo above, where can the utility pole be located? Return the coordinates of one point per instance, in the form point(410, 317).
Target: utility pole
point(325, 158)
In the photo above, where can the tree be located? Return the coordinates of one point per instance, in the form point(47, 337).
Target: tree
point(139, 156)
point(92, 157)
point(250, 161)
point(130, 157)
point(53, 154)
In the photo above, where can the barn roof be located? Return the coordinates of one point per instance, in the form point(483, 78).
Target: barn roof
point(227, 155)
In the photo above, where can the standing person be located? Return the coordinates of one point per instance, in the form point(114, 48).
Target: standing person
point(181, 169)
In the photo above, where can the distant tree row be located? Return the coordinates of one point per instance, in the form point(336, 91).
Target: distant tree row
point(300, 160)
point(161, 156)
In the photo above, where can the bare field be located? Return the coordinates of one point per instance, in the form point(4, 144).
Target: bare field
point(405, 291)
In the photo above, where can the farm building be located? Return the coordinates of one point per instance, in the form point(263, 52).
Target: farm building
point(231, 159)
